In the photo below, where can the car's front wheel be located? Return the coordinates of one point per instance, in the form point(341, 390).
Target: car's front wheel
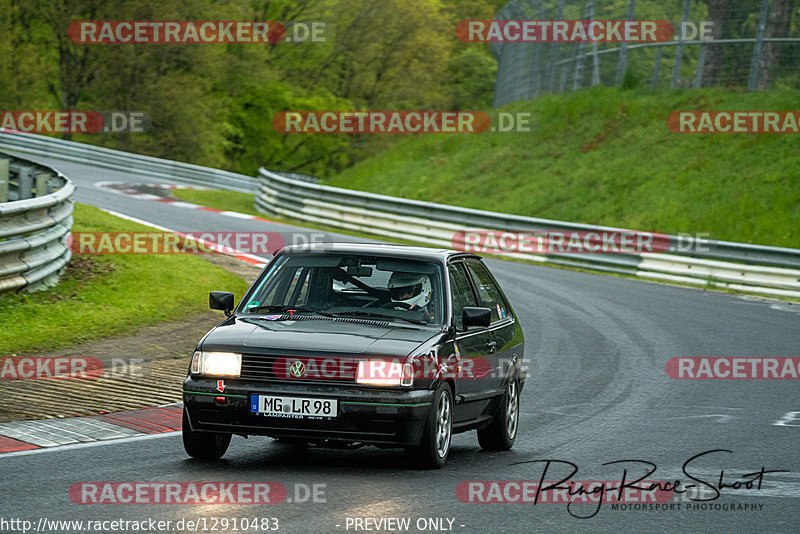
point(502, 431)
point(435, 447)
point(203, 445)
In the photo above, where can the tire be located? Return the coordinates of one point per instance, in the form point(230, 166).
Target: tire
point(502, 431)
point(203, 445)
point(434, 449)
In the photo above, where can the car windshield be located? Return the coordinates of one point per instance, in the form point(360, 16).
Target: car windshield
point(343, 285)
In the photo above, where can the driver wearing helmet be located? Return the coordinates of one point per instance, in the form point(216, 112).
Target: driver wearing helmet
point(411, 290)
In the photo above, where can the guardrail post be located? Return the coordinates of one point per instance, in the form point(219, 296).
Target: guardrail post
point(551, 69)
point(25, 188)
point(536, 74)
point(676, 69)
point(537, 70)
point(701, 62)
point(657, 67)
point(755, 66)
point(577, 82)
point(595, 56)
point(622, 66)
point(41, 184)
point(564, 75)
point(4, 180)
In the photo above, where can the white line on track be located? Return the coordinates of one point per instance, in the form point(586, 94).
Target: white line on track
point(90, 444)
point(129, 189)
point(257, 260)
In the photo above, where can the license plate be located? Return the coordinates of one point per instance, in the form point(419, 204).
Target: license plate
point(303, 407)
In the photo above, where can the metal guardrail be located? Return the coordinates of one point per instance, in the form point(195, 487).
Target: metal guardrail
point(119, 160)
point(736, 266)
point(35, 222)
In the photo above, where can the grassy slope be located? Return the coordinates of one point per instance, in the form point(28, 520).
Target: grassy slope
point(607, 157)
point(105, 295)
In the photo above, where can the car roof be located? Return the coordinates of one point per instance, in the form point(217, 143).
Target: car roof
point(377, 249)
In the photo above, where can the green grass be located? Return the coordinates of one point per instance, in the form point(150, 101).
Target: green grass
point(600, 157)
point(606, 157)
point(227, 200)
point(101, 296)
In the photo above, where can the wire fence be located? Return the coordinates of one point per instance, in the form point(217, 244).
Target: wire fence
point(753, 44)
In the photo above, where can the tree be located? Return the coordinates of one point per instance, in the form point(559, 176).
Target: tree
point(730, 20)
point(75, 62)
point(471, 83)
point(778, 25)
point(389, 54)
point(23, 67)
point(252, 140)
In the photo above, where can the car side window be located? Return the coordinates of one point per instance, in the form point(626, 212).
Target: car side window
point(488, 293)
point(462, 294)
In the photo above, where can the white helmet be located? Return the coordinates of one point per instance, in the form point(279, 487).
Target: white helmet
point(413, 289)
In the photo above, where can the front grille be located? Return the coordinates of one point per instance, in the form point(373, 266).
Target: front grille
point(315, 370)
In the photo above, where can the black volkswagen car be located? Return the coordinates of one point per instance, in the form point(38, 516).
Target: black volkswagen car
point(342, 345)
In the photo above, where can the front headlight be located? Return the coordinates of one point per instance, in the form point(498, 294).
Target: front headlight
point(216, 363)
point(384, 373)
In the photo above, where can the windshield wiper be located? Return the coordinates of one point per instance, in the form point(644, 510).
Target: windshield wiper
point(281, 308)
point(380, 316)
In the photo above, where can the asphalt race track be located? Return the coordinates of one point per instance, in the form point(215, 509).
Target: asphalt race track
point(597, 392)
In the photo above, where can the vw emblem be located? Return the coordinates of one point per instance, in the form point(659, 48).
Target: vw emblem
point(297, 368)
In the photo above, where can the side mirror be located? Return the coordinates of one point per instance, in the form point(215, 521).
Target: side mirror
point(221, 300)
point(474, 316)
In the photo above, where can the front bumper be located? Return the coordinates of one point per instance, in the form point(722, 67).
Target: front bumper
point(381, 416)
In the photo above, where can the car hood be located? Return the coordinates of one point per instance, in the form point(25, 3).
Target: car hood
point(316, 336)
